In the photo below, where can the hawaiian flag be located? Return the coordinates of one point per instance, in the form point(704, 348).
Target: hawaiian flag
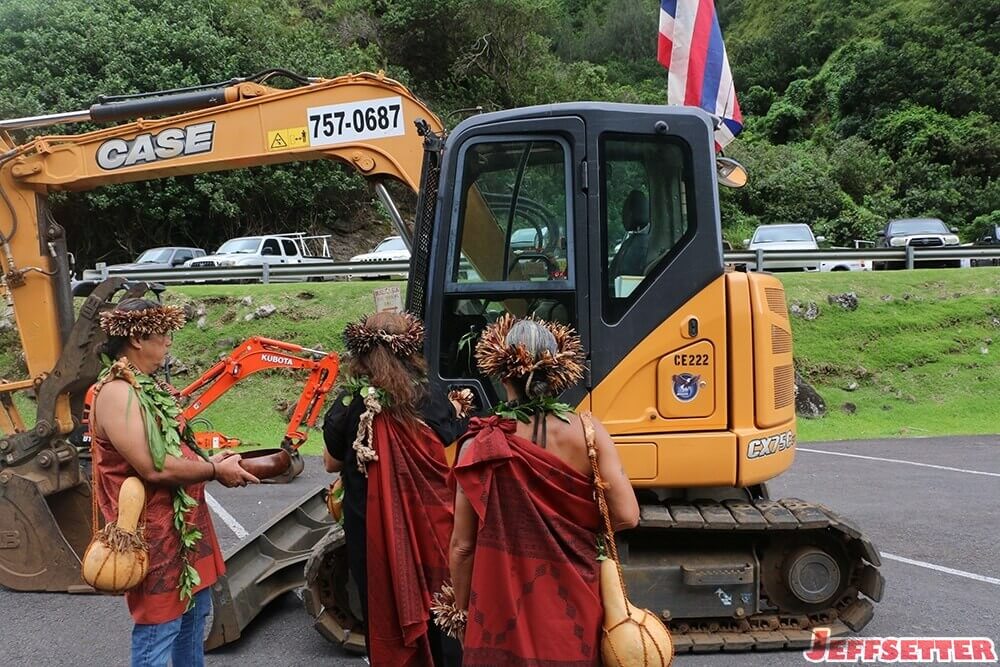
point(691, 48)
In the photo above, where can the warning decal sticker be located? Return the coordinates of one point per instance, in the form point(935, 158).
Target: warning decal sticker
point(292, 137)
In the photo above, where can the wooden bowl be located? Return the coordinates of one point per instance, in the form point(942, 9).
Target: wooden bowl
point(266, 463)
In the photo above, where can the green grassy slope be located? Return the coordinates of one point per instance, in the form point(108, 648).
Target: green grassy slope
point(923, 348)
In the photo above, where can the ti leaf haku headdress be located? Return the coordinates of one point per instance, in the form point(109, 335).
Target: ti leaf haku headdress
point(361, 339)
point(497, 358)
point(156, 320)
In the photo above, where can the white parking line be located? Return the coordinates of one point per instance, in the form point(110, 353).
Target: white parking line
point(226, 517)
point(909, 463)
point(942, 568)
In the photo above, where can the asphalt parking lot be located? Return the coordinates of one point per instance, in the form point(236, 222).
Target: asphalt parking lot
point(929, 504)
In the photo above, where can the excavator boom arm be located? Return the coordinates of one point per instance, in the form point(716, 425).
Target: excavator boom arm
point(363, 120)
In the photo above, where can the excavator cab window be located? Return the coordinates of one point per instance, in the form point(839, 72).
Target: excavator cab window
point(645, 213)
point(514, 212)
point(511, 253)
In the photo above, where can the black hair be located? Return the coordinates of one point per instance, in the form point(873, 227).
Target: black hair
point(115, 345)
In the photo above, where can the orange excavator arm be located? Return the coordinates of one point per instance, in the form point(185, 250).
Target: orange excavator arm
point(367, 121)
point(252, 356)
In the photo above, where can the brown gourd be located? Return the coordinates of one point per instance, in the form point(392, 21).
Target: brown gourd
point(632, 637)
point(117, 559)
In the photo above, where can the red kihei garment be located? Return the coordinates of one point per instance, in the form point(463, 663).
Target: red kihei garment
point(535, 596)
point(157, 599)
point(409, 519)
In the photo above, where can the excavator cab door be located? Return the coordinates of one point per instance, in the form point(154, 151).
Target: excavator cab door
point(510, 237)
point(656, 256)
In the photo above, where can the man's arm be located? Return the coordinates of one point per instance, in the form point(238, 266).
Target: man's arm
point(623, 507)
point(120, 418)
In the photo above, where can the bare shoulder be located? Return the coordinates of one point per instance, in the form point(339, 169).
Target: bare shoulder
point(114, 397)
point(115, 391)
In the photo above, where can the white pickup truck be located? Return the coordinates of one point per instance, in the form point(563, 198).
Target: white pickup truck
point(267, 249)
point(797, 237)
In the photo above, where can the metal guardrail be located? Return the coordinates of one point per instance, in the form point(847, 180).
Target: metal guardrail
point(755, 260)
point(908, 255)
point(265, 273)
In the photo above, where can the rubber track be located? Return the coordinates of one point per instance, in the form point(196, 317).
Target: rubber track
point(770, 630)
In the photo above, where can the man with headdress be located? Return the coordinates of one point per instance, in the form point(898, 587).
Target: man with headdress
point(136, 431)
point(385, 434)
point(524, 553)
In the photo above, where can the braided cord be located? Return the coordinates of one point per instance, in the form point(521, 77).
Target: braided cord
point(363, 441)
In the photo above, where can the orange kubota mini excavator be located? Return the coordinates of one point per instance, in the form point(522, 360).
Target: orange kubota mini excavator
point(252, 356)
point(603, 216)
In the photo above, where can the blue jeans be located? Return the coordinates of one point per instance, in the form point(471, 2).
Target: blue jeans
point(180, 640)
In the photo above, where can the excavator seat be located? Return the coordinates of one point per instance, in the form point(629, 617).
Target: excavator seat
point(630, 260)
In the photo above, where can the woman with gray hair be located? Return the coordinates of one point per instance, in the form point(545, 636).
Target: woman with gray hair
point(524, 551)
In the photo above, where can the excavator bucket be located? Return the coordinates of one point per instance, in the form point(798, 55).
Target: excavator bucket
point(42, 538)
point(45, 496)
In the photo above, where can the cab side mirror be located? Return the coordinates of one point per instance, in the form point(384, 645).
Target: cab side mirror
point(268, 251)
point(881, 233)
point(820, 239)
point(730, 172)
point(953, 230)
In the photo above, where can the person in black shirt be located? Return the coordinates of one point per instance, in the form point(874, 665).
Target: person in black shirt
point(385, 433)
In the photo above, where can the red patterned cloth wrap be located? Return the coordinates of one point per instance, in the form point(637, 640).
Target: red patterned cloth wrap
point(157, 599)
point(535, 598)
point(409, 520)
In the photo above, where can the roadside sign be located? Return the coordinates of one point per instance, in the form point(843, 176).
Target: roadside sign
point(388, 300)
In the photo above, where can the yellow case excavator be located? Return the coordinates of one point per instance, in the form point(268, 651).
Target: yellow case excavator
point(603, 216)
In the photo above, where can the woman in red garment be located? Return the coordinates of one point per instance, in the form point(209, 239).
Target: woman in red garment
point(386, 434)
point(523, 555)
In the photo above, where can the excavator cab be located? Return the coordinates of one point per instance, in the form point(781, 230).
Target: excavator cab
point(537, 209)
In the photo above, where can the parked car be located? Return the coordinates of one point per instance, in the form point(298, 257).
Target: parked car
point(389, 249)
point(990, 239)
point(784, 237)
point(797, 237)
point(154, 259)
point(528, 238)
point(268, 249)
point(917, 233)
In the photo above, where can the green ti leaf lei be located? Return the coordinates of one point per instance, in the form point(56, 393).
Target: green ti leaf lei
point(360, 386)
point(160, 415)
point(522, 411)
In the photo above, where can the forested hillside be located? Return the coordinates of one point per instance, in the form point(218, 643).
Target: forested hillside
point(855, 111)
